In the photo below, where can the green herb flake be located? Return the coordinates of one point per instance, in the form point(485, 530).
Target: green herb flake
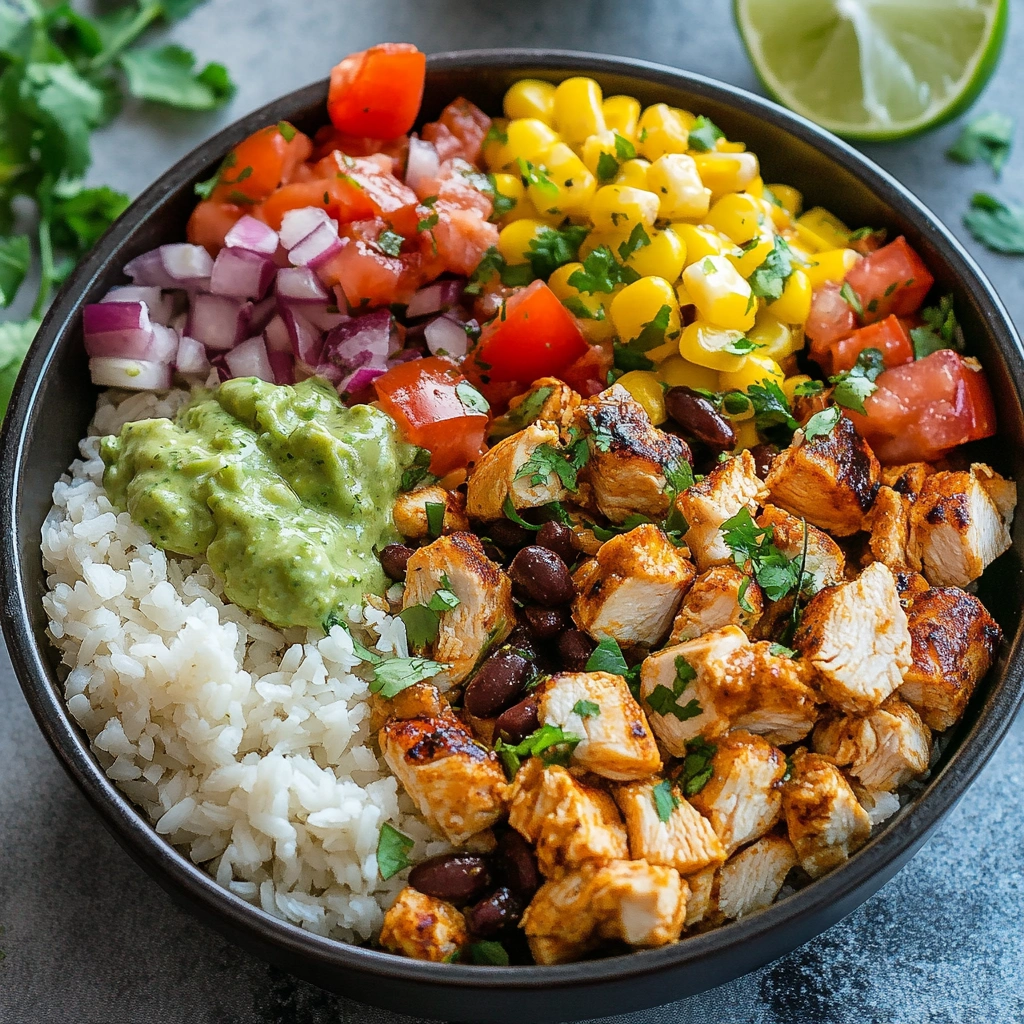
point(780, 651)
point(624, 149)
point(536, 176)
point(586, 709)
point(495, 134)
point(607, 168)
point(471, 399)
point(166, 74)
point(390, 242)
point(638, 238)
point(741, 347)
point(435, 517)
point(809, 389)
point(521, 415)
point(754, 550)
point(550, 742)
point(855, 385)
point(581, 310)
point(741, 597)
point(393, 675)
point(564, 463)
point(665, 800)
point(418, 471)
point(426, 223)
point(768, 281)
point(697, 769)
point(601, 272)
point(704, 133)
point(513, 516)
point(631, 356)
point(988, 138)
point(488, 953)
point(852, 299)
point(392, 851)
point(503, 204)
point(941, 330)
point(555, 247)
point(822, 423)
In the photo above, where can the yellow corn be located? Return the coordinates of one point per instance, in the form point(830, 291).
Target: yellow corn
point(530, 97)
point(678, 372)
point(594, 148)
point(511, 186)
point(639, 303)
point(664, 257)
point(682, 295)
point(790, 384)
point(527, 139)
point(738, 216)
point(725, 146)
point(621, 208)
point(827, 226)
point(578, 110)
point(757, 369)
point(792, 201)
point(721, 295)
point(633, 173)
point(646, 389)
point(727, 172)
point(569, 186)
point(753, 254)
point(514, 239)
point(746, 435)
point(776, 339)
point(756, 188)
point(794, 305)
point(702, 242)
point(708, 345)
point(663, 129)
point(674, 178)
point(830, 265)
point(621, 114)
point(598, 325)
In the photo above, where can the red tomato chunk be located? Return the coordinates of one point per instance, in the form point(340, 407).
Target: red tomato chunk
point(892, 280)
point(888, 336)
point(378, 92)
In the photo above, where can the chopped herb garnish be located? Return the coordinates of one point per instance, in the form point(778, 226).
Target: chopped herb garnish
point(601, 272)
point(495, 134)
point(753, 546)
point(423, 621)
point(392, 851)
point(607, 657)
point(780, 651)
point(704, 133)
point(624, 149)
point(941, 330)
point(768, 281)
point(435, 517)
point(853, 386)
point(471, 399)
point(664, 701)
point(502, 203)
point(665, 800)
point(697, 771)
point(549, 742)
point(607, 167)
point(638, 238)
point(418, 471)
point(822, 423)
point(630, 356)
point(740, 347)
point(564, 463)
point(392, 676)
point(586, 709)
point(511, 514)
point(390, 242)
point(852, 299)
point(426, 223)
point(988, 138)
point(553, 248)
point(286, 131)
point(741, 597)
point(488, 953)
point(809, 389)
point(581, 310)
point(533, 175)
point(521, 415)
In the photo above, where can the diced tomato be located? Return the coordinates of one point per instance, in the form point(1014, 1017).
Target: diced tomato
point(427, 398)
point(888, 336)
point(383, 195)
point(459, 131)
point(257, 165)
point(892, 280)
point(340, 198)
point(923, 410)
point(210, 222)
point(328, 138)
point(830, 319)
point(589, 374)
point(378, 92)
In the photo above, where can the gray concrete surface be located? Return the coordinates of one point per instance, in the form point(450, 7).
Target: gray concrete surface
point(88, 938)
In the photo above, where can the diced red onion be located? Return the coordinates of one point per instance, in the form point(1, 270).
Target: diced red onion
point(250, 360)
point(261, 315)
point(362, 341)
point(307, 341)
point(218, 321)
point(134, 374)
point(123, 330)
point(438, 297)
point(423, 167)
point(253, 235)
point(161, 306)
point(407, 355)
point(299, 224)
point(323, 318)
point(277, 337)
point(361, 378)
point(283, 365)
point(446, 337)
point(331, 372)
point(179, 265)
point(317, 248)
point(191, 358)
point(299, 284)
point(241, 274)
point(217, 362)
point(105, 317)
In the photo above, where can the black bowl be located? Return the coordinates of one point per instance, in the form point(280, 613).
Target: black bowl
point(53, 404)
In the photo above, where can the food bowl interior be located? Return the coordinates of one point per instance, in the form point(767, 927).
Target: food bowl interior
point(55, 402)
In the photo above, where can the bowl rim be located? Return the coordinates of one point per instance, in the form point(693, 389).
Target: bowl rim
point(906, 831)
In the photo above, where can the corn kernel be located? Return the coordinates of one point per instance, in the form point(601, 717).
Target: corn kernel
point(678, 372)
point(809, 240)
point(746, 435)
point(831, 265)
point(753, 254)
point(596, 146)
point(527, 139)
point(725, 146)
point(633, 173)
point(721, 295)
point(792, 201)
point(756, 188)
point(702, 242)
point(737, 216)
point(621, 208)
point(566, 186)
point(639, 303)
point(674, 178)
point(790, 384)
point(645, 388)
point(776, 339)
point(708, 345)
point(514, 239)
point(578, 110)
point(511, 187)
point(794, 305)
point(828, 227)
point(621, 114)
point(597, 326)
point(726, 172)
point(663, 129)
point(682, 295)
point(757, 369)
point(664, 257)
point(530, 97)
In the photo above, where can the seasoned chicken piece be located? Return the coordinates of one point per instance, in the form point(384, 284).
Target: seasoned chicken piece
point(956, 529)
point(825, 821)
point(878, 804)
point(888, 522)
point(855, 636)
point(752, 879)
point(628, 455)
point(825, 559)
point(701, 903)
point(954, 640)
point(743, 797)
point(424, 928)
point(882, 750)
point(686, 842)
point(484, 615)
point(518, 468)
point(421, 700)
point(630, 900)
point(617, 741)
point(830, 480)
point(569, 822)
point(907, 479)
point(908, 583)
point(721, 681)
point(730, 486)
point(410, 512)
point(1003, 492)
point(548, 401)
point(632, 588)
point(723, 595)
point(457, 785)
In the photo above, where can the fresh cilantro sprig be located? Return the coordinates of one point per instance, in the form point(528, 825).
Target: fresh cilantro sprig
point(419, 471)
point(521, 415)
point(553, 248)
point(853, 386)
point(821, 424)
point(631, 355)
point(665, 799)
point(423, 621)
point(392, 851)
point(768, 281)
point(537, 176)
point(773, 417)
point(697, 771)
point(754, 546)
point(996, 225)
point(988, 138)
point(704, 133)
point(601, 272)
point(664, 701)
point(586, 709)
point(565, 463)
point(608, 657)
point(550, 743)
point(941, 330)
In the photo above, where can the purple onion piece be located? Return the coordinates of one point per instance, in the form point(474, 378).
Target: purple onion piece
point(307, 341)
point(446, 337)
point(261, 315)
point(317, 248)
point(283, 365)
point(362, 341)
point(300, 284)
point(438, 297)
point(299, 224)
point(179, 265)
point(324, 318)
point(277, 336)
point(359, 379)
point(191, 357)
point(241, 274)
point(423, 167)
point(133, 374)
point(218, 321)
point(161, 306)
point(250, 360)
point(253, 235)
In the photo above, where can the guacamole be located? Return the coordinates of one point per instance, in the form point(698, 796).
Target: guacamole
point(283, 490)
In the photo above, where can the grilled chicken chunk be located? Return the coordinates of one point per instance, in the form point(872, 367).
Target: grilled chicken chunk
point(879, 805)
point(721, 681)
point(549, 401)
point(410, 512)
point(1003, 492)
point(855, 636)
point(954, 640)
point(907, 479)
point(569, 822)
point(957, 529)
point(632, 588)
point(630, 900)
point(484, 615)
point(423, 927)
point(743, 797)
point(730, 486)
point(752, 879)
point(421, 700)
point(825, 559)
point(888, 522)
point(825, 821)
point(498, 474)
point(686, 842)
point(457, 785)
point(830, 480)
point(723, 595)
point(617, 741)
point(882, 750)
point(701, 902)
point(628, 455)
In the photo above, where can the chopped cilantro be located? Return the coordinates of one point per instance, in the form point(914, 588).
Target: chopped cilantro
point(418, 471)
point(422, 621)
point(607, 657)
point(852, 299)
point(392, 851)
point(780, 651)
point(741, 597)
point(853, 386)
point(740, 347)
point(488, 953)
point(704, 133)
point(586, 709)
point(941, 330)
point(638, 238)
point(286, 131)
point(601, 272)
point(533, 175)
point(471, 399)
point(665, 701)
point(394, 675)
point(435, 517)
point(521, 415)
point(809, 389)
point(581, 310)
point(390, 242)
point(665, 800)
point(427, 223)
point(495, 134)
point(553, 248)
point(502, 203)
point(822, 423)
point(549, 742)
point(564, 463)
point(624, 149)
point(988, 138)
point(752, 545)
point(769, 280)
point(607, 167)
point(630, 356)
point(697, 771)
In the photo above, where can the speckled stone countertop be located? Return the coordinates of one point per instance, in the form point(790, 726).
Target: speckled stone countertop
point(87, 938)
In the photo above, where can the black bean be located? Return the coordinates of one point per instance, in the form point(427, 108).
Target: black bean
point(506, 534)
point(699, 418)
point(393, 560)
point(494, 913)
point(496, 684)
point(763, 455)
point(539, 575)
point(522, 639)
point(575, 648)
point(458, 878)
point(558, 537)
point(517, 864)
point(546, 623)
point(514, 725)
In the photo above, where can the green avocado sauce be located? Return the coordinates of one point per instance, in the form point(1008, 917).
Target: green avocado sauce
point(283, 490)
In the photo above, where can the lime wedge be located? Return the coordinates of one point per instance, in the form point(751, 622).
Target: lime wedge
point(874, 69)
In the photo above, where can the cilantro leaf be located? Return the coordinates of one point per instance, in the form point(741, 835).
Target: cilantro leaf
point(435, 517)
point(15, 256)
point(418, 471)
point(988, 138)
point(601, 272)
point(512, 515)
point(607, 657)
point(741, 596)
point(421, 625)
point(704, 133)
point(822, 423)
point(15, 339)
point(665, 701)
point(638, 238)
point(165, 74)
point(753, 545)
point(521, 415)
point(502, 203)
point(809, 389)
point(392, 676)
point(665, 800)
point(549, 742)
point(697, 771)
point(852, 298)
point(495, 134)
point(471, 399)
point(82, 215)
point(780, 651)
point(996, 225)
point(741, 346)
point(624, 149)
point(553, 248)
point(769, 280)
point(390, 242)
point(536, 176)
point(581, 310)
point(772, 414)
point(488, 953)
point(607, 167)
point(941, 330)
point(586, 709)
point(853, 386)
point(630, 356)
point(392, 851)
point(564, 463)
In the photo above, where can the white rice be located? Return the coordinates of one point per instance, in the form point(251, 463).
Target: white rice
point(248, 747)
